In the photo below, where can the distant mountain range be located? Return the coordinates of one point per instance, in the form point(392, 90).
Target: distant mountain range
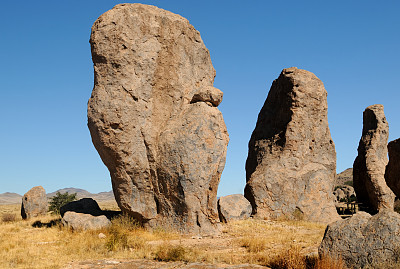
point(10, 198)
point(15, 198)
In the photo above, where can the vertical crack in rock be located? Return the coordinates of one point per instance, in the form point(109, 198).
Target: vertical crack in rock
point(153, 117)
point(291, 164)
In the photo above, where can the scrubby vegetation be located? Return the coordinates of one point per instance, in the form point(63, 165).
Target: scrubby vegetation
point(60, 199)
point(277, 244)
point(349, 183)
point(8, 217)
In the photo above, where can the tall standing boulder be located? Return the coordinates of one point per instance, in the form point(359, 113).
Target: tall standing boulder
point(34, 203)
point(392, 172)
point(153, 117)
point(370, 164)
point(291, 165)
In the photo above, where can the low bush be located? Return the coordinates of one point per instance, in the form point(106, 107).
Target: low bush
point(289, 259)
point(168, 253)
point(349, 183)
point(8, 217)
point(253, 244)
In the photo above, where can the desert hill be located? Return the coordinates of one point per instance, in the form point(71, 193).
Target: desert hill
point(15, 198)
point(10, 198)
point(345, 176)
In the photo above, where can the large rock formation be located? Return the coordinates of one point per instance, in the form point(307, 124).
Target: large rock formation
point(34, 203)
point(364, 241)
point(291, 164)
point(369, 166)
point(392, 172)
point(153, 117)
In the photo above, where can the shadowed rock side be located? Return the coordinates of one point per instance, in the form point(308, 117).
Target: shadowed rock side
point(369, 166)
point(392, 172)
point(153, 117)
point(291, 165)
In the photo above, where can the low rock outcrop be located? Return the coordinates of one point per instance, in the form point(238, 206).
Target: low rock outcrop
point(369, 166)
point(364, 241)
point(392, 172)
point(233, 207)
point(80, 221)
point(153, 117)
point(34, 203)
point(291, 165)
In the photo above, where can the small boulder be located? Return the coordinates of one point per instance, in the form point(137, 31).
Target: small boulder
point(80, 221)
point(85, 206)
point(233, 207)
point(34, 203)
point(364, 241)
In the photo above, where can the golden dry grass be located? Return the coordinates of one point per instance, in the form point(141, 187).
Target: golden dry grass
point(250, 241)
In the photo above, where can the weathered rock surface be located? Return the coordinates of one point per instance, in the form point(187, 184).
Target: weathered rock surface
point(153, 117)
point(85, 206)
point(363, 241)
point(344, 192)
point(80, 221)
point(233, 207)
point(34, 203)
point(369, 166)
point(392, 172)
point(291, 163)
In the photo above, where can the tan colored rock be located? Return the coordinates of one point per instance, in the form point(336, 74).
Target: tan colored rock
point(153, 117)
point(34, 203)
point(369, 166)
point(81, 221)
point(233, 207)
point(392, 171)
point(364, 241)
point(291, 165)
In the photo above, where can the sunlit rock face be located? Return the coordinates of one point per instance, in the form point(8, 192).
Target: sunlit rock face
point(153, 117)
point(291, 164)
point(370, 163)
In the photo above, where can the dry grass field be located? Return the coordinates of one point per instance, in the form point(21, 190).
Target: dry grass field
point(276, 244)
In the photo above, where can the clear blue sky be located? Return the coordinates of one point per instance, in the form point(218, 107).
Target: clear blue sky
point(46, 77)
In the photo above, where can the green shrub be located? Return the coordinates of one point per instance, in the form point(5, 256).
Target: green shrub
point(60, 199)
point(349, 183)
